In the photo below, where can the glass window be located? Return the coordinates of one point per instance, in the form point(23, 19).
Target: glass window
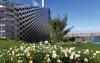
point(1, 6)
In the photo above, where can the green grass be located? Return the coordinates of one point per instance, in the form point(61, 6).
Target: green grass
point(5, 44)
point(79, 46)
point(90, 46)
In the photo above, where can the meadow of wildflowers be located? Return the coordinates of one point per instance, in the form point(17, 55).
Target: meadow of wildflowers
point(45, 52)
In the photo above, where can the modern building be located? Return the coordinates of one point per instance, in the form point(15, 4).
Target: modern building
point(23, 21)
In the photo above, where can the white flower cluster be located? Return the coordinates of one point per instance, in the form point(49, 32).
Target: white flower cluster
point(47, 53)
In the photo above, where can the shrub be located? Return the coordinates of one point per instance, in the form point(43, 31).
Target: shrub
point(47, 53)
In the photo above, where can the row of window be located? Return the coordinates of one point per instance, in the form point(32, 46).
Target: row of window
point(22, 9)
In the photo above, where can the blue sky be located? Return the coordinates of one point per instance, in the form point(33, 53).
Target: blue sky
point(84, 15)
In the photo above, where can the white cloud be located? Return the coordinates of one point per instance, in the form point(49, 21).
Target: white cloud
point(85, 29)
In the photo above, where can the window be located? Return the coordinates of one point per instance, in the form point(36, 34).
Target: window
point(1, 10)
point(1, 6)
point(20, 23)
point(20, 33)
point(20, 28)
point(12, 27)
point(12, 22)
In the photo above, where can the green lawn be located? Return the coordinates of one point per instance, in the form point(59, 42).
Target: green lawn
point(88, 45)
point(5, 44)
point(11, 43)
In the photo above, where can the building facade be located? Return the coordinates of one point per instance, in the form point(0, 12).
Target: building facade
point(23, 22)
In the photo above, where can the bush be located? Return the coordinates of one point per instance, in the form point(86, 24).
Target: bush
point(47, 53)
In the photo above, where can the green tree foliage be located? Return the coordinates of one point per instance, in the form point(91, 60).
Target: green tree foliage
point(58, 28)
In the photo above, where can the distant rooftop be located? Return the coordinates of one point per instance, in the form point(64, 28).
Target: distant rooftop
point(84, 34)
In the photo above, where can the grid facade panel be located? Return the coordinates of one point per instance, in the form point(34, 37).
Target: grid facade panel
point(25, 22)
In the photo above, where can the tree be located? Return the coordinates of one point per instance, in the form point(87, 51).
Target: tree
point(58, 28)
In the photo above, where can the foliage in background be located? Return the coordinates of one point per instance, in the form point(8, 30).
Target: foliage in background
point(58, 28)
point(70, 38)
